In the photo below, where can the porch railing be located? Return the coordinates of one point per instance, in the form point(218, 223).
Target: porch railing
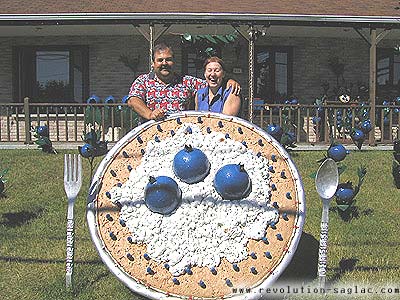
point(68, 122)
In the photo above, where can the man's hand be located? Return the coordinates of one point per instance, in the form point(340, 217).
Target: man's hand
point(141, 108)
point(157, 114)
point(235, 86)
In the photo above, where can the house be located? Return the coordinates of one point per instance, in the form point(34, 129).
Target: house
point(64, 51)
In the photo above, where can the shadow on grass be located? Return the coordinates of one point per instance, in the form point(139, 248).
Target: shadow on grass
point(351, 213)
point(347, 265)
point(303, 266)
point(19, 218)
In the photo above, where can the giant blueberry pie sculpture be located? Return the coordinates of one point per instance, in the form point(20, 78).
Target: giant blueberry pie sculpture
point(197, 206)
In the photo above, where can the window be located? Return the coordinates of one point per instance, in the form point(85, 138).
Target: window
point(51, 74)
point(387, 74)
point(273, 72)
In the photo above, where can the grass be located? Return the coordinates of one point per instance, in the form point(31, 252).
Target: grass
point(33, 227)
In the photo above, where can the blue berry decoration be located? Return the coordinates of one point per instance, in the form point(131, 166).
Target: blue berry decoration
point(276, 131)
point(162, 195)
point(191, 165)
point(232, 182)
point(87, 150)
point(42, 130)
point(345, 193)
point(337, 152)
point(366, 126)
point(358, 137)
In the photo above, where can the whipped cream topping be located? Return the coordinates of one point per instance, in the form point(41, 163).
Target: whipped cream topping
point(204, 228)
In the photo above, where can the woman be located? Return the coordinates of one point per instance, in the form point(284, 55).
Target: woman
point(216, 97)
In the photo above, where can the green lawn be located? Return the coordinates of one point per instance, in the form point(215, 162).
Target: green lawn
point(33, 226)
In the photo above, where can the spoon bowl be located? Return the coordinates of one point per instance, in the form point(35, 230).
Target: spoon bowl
point(327, 179)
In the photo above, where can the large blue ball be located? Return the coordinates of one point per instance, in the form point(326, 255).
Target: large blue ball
point(42, 130)
point(358, 135)
point(93, 99)
point(87, 150)
point(345, 194)
point(337, 152)
point(232, 182)
point(191, 165)
point(276, 131)
point(366, 126)
point(162, 195)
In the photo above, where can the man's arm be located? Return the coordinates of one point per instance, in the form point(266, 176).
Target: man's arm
point(141, 108)
point(235, 86)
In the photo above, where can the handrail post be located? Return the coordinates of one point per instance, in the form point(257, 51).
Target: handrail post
point(27, 118)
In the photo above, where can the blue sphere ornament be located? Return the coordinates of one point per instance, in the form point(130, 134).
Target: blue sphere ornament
point(275, 131)
point(366, 126)
point(232, 182)
point(337, 152)
point(87, 150)
point(358, 135)
point(42, 130)
point(93, 99)
point(191, 165)
point(294, 101)
point(316, 120)
point(345, 193)
point(109, 99)
point(162, 195)
point(125, 99)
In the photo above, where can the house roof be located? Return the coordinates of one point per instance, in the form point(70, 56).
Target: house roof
point(370, 11)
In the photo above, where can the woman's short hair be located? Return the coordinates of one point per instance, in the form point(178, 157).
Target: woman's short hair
point(214, 59)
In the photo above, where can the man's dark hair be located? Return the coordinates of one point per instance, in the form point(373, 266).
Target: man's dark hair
point(161, 47)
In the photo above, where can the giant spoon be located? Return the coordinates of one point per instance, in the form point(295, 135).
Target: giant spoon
point(326, 182)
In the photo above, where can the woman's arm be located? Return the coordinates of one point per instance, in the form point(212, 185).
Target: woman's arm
point(232, 105)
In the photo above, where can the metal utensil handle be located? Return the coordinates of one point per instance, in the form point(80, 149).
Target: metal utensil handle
point(69, 263)
point(323, 245)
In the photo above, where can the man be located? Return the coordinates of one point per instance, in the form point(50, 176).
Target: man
point(162, 91)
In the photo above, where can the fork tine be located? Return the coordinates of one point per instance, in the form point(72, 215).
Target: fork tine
point(79, 174)
point(75, 170)
point(66, 167)
point(70, 166)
